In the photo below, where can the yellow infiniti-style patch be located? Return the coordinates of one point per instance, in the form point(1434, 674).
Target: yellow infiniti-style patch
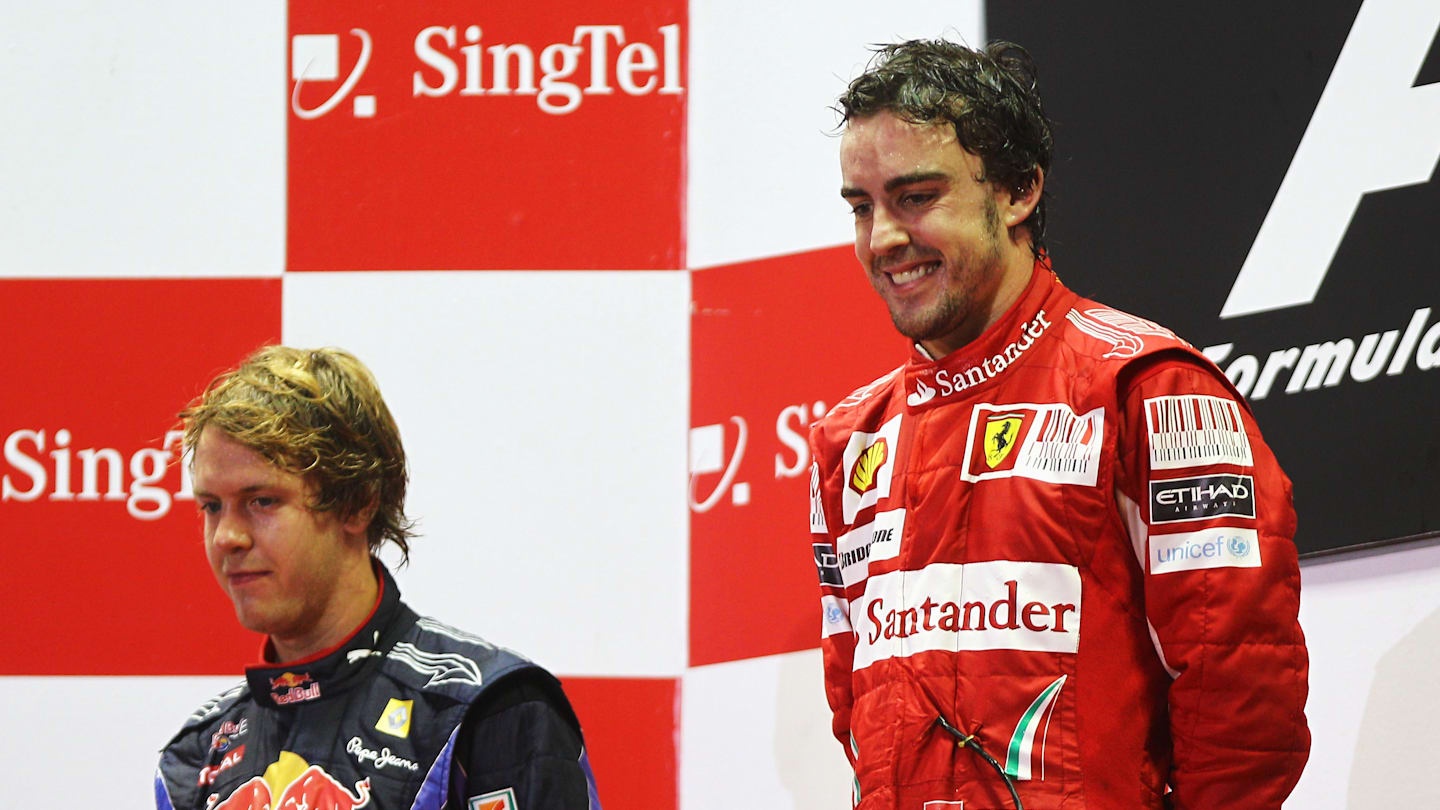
point(1001, 433)
point(395, 720)
point(863, 479)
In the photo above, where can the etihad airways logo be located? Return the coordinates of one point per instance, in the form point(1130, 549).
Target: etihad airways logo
point(458, 60)
point(994, 605)
point(947, 382)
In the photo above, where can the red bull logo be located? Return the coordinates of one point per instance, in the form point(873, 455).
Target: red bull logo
point(290, 680)
point(311, 789)
point(295, 689)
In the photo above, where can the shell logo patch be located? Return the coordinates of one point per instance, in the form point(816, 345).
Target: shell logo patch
point(503, 799)
point(395, 720)
point(872, 458)
point(869, 464)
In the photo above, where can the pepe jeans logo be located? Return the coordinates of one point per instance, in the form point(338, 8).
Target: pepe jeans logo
point(379, 760)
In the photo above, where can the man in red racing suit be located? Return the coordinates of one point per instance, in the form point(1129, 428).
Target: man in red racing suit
point(1055, 552)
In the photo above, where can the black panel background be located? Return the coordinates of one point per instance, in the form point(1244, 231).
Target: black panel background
point(1175, 126)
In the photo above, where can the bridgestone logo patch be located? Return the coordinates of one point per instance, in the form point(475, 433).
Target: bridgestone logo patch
point(1195, 431)
point(877, 540)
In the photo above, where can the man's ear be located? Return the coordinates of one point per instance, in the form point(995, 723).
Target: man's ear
point(1017, 203)
point(358, 522)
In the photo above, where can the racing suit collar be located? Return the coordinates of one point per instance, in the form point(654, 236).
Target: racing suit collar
point(930, 382)
point(333, 671)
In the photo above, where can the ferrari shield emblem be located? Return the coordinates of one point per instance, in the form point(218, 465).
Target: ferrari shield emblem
point(1001, 432)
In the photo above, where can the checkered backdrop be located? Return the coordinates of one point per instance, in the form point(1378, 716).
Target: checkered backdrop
point(595, 255)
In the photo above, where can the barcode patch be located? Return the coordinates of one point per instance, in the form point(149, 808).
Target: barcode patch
point(1193, 430)
point(1065, 444)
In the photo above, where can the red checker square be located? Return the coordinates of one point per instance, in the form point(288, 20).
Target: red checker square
point(105, 570)
point(774, 344)
point(630, 732)
point(453, 136)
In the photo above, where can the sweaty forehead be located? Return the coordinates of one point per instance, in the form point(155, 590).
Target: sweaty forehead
point(220, 461)
point(882, 146)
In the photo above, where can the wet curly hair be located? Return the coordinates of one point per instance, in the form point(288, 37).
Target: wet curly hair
point(316, 413)
point(990, 97)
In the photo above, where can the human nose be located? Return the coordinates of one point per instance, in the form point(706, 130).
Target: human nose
point(886, 233)
point(230, 531)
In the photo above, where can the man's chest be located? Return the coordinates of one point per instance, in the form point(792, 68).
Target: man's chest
point(371, 749)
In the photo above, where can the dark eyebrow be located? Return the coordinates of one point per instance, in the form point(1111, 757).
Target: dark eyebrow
point(896, 182)
point(250, 490)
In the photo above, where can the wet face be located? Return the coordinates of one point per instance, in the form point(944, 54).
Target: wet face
point(928, 231)
point(289, 570)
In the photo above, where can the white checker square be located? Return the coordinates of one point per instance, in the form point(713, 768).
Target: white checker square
point(553, 519)
point(315, 57)
point(707, 449)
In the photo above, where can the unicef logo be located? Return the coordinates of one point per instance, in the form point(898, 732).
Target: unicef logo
point(1239, 546)
point(833, 614)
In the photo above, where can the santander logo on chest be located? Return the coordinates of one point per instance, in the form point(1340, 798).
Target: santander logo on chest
point(927, 387)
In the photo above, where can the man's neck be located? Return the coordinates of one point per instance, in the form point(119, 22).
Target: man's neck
point(1017, 268)
point(356, 596)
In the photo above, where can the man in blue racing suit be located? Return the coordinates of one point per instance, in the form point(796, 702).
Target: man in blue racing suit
point(300, 475)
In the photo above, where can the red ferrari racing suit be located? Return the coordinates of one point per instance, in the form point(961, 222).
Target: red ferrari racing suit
point(1069, 540)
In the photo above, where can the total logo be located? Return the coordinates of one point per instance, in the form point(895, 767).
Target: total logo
point(707, 454)
point(44, 464)
point(455, 60)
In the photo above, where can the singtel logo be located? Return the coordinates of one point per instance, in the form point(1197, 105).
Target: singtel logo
point(44, 465)
point(456, 60)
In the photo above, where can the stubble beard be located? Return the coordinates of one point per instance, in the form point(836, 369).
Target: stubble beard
point(957, 301)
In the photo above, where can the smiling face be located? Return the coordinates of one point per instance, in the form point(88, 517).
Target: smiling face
point(301, 576)
point(939, 245)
